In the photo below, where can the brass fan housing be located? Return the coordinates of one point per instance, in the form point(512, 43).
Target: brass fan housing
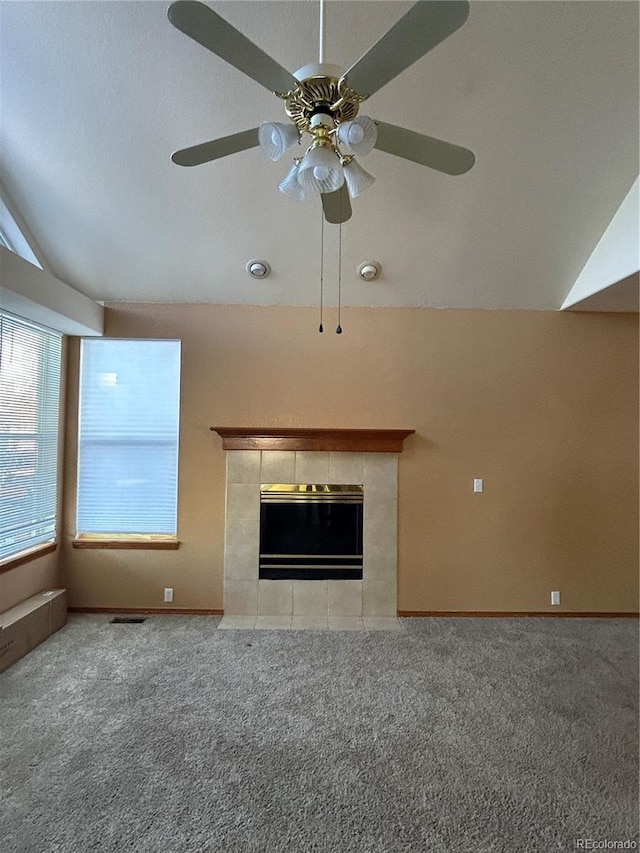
point(321, 88)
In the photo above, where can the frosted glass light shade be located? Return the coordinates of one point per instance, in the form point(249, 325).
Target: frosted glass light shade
point(290, 186)
point(320, 171)
point(357, 178)
point(358, 136)
point(275, 137)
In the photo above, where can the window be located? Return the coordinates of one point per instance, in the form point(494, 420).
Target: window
point(29, 414)
point(128, 438)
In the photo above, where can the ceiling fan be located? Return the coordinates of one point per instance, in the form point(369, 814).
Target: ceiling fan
point(323, 100)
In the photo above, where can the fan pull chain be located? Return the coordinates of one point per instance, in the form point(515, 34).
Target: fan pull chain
point(321, 327)
point(339, 327)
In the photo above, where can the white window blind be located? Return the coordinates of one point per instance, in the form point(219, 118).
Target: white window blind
point(128, 437)
point(29, 413)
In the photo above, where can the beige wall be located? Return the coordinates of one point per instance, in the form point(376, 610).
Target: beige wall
point(18, 584)
point(542, 405)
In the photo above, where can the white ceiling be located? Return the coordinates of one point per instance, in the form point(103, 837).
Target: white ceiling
point(95, 96)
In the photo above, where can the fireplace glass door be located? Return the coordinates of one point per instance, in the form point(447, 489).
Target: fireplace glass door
point(311, 531)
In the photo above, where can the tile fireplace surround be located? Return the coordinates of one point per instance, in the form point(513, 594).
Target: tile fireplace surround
point(301, 457)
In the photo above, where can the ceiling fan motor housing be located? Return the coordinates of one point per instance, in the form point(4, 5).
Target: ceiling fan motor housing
point(320, 93)
point(318, 69)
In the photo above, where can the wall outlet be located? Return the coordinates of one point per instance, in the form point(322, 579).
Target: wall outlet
point(555, 597)
point(478, 484)
point(168, 594)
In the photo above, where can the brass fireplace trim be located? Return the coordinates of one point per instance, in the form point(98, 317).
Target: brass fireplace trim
point(348, 440)
point(320, 493)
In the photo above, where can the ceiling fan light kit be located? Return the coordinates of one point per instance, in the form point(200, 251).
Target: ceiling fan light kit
point(323, 100)
point(323, 107)
point(275, 137)
point(290, 185)
point(320, 170)
point(358, 136)
point(356, 178)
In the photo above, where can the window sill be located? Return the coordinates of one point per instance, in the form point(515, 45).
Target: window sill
point(27, 556)
point(134, 544)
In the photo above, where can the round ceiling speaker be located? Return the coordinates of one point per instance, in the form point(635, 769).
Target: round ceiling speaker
point(258, 269)
point(369, 271)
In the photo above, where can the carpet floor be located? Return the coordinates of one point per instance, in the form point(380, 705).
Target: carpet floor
point(447, 736)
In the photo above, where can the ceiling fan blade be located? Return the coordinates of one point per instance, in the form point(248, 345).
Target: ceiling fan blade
point(337, 206)
point(424, 26)
point(217, 148)
point(426, 150)
point(205, 26)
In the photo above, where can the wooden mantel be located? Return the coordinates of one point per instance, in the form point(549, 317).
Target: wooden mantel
point(297, 438)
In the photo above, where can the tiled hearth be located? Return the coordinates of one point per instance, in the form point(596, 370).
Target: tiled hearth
point(340, 604)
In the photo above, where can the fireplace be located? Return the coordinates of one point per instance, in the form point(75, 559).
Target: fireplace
point(310, 531)
point(299, 458)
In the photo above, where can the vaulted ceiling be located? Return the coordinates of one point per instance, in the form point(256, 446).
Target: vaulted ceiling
point(95, 96)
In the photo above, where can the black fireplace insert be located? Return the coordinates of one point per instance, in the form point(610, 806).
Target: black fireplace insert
point(311, 531)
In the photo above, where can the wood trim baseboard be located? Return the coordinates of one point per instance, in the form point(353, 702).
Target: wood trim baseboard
point(204, 611)
point(151, 611)
point(127, 544)
point(28, 556)
point(575, 614)
point(352, 440)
